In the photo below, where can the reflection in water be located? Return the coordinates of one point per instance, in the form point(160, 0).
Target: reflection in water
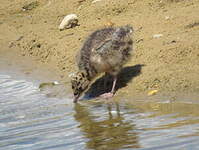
point(113, 132)
point(31, 120)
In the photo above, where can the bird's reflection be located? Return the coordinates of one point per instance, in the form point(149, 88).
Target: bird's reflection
point(113, 132)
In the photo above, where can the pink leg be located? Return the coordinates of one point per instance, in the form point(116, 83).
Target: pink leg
point(110, 94)
point(114, 83)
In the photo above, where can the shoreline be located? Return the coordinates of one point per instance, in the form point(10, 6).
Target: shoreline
point(22, 67)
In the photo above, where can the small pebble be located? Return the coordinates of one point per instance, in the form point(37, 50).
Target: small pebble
point(94, 1)
point(19, 38)
point(80, 1)
point(139, 40)
point(69, 21)
point(157, 35)
point(153, 92)
point(56, 82)
point(109, 24)
point(167, 17)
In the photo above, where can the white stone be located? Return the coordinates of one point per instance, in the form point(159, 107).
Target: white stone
point(68, 21)
point(94, 1)
point(157, 35)
point(56, 82)
point(167, 17)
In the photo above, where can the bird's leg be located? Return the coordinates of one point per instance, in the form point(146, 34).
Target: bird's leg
point(110, 94)
point(114, 83)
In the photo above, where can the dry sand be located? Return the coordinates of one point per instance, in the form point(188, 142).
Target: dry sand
point(169, 63)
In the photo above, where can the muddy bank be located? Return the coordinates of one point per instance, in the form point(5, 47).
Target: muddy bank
point(166, 54)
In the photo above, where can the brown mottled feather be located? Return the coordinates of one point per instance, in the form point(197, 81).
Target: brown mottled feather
point(105, 50)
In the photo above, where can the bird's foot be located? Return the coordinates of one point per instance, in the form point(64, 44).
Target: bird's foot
point(107, 95)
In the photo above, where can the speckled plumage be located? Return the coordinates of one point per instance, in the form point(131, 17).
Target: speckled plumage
point(105, 50)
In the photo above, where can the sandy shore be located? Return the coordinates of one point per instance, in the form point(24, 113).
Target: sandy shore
point(168, 63)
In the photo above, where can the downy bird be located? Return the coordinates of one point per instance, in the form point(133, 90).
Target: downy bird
point(105, 51)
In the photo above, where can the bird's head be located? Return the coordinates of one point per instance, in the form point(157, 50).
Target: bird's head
point(122, 33)
point(79, 84)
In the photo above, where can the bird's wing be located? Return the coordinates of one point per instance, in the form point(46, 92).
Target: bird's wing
point(104, 46)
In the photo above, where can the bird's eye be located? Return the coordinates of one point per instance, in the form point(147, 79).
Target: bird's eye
point(80, 89)
point(73, 87)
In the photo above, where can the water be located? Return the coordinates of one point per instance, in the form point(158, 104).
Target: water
point(30, 120)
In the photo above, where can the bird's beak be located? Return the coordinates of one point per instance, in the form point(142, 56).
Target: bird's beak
point(76, 98)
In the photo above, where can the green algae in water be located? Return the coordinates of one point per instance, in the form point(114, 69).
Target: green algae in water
point(45, 85)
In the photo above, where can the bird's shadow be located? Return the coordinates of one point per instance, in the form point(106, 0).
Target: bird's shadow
point(126, 74)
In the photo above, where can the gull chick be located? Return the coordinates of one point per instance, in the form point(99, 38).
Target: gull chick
point(105, 50)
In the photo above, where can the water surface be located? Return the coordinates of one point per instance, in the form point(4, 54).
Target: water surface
point(31, 120)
